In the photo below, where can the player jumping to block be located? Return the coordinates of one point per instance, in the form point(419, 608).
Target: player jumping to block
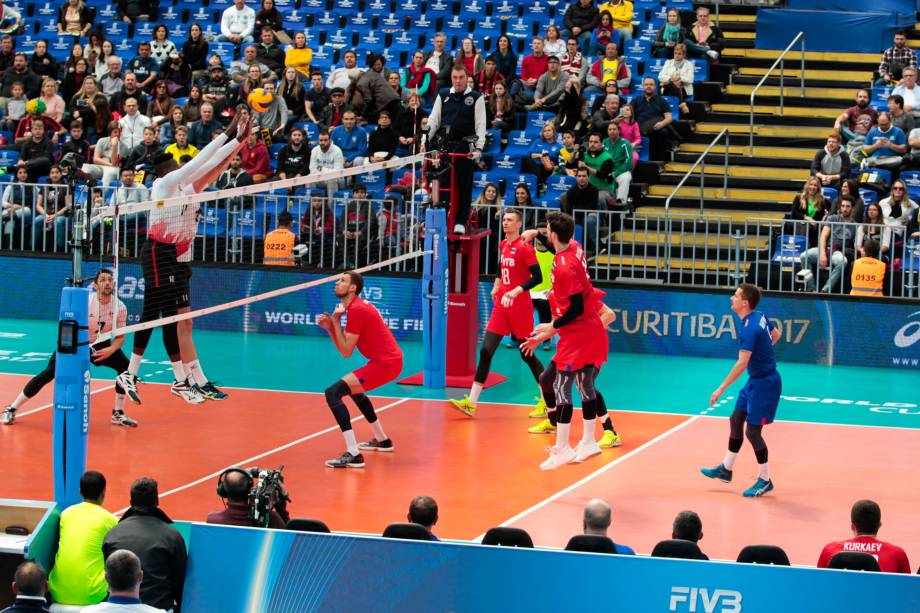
point(513, 309)
point(759, 397)
point(366, 330)
point(105, 309)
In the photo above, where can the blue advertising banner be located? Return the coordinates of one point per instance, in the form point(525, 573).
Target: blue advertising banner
point(274, 571)
point(822, 28)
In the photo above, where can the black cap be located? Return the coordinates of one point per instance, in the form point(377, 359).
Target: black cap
point(336, 90)
point(216, 67)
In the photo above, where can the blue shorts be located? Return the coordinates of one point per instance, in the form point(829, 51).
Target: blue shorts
point(759, 398)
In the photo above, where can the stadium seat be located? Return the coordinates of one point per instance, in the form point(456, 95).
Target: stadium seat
point(143, 29)
point(591, 544)
point(518, 178)
point(643, 150)
point(521, 28)
point(677, 548)
point(506, 164)
point(341, 39)
point(854, 560)
point(700, 70)
point(213, 221)
point(307, 525)
point(508, 537)
point(519, 144)
point(879, 98)
point(412, 532)
point(488, 28)
point(458, 26)
point(788, 248)
point(911, 178)
point(439, 8)
point(557, 185)
point(493, 143)
point(116, 28)
point(536, 120)
point(830, 193)
point(377, 8)
point(506, 10)
point(8, 157)
point(328, 20)
point(763, 554)
point(361, 20)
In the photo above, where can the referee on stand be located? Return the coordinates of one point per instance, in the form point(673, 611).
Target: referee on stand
point(459, 113)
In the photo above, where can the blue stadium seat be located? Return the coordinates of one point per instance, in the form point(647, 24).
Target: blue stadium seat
point(545, 12)
point(377, 8)
point(46, 10)
point(213, 221)
point(313, 6)
point(700, 70)
point(520, 28)
point(519, 143)
point(144, 30)
point(830, 193)
point(403, 43)
point(649, 30)
point(48, 27)
point(282, 5)
point(788, 248)
point(536, 120)
point(178, 30)
point(323, 57)
point(341, 39)
point(26, 44)
point(480, 180)
point(116, 28)
point(643, 150)
point(440, 8)
point(512, 180)
point(347, 7)
point(394, 23)
point(328, 20)
point(493, 143)
point(457, 25)
point(409, 7)
point(170, 13)
point(361, 20)
point(557, 185)
point(506, 164)
point(376, 180)
point(868, 195)
point(880, 97)
point(296, 20)
point(249, 223)
point(506, 10)
point(488, 29)
point(311, 131)
point(912, 179)
point(653, 66)
point(371, 41)
point(674, 103)
point(107, 12)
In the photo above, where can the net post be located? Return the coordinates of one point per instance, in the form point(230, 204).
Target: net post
point(434, 296)
point(71, 396)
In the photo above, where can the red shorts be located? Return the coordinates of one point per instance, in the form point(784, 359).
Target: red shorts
point(582, 343)
point(515, 320)
point(378, 372)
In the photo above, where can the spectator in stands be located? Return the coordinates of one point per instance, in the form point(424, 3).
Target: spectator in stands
point(899, 209)
point(237, 23)
point(73, 80)
point(54, 104)
point(622, 12)
point(382, 142)
point(571, 107)
point(610, 89)
point(21, 72)
point(439, 60)
point(372, 92)
point(850, 187)
point(596, 521)
point(350, 138)
point(359, 227)
point(469, 56)
point(609, 68)
point(831, 165)
point(143, 66)
point(108, 155)
point(487, 207)
point(77, 143)
point(895, 59)
point(689, 527)
point(568, 154)
point(36, 154)
point(865, 522)
point(173, 119)
point(670, 34)
point(160, 102)
point(603, 35)
point(409, 125)
point(313, 101)
point(53, 212)
point(342, 77)
point(241, 70)
point(335, 111)
point(128, 193)
point(912, 158)
point(423, 510)
point(77, 577)
point(195, 52)
point(200, 132)
point(835, 248)
point(294, 157)
point(550, 87)
point(580, 21)
point(855, 122)
point(908, 90)
point(810, 206)
point(130, 90)
point(15, 107)
point(275, 117)
point(654, 118)
point(621, 153)
point(133, 11)
point(532, 68)
point(327, 156)
point(35, 110)
point(269, 53)
point(506, 57)
point(145, 530)
point(599, 165)
point(874, 228)
point(704, 39)
point(192, 106)
point(676, 78)
point(41, 62)
point(176, 74)
point(74, 18)
point(422, 80)
point(899, 117)
point(16, 205)
point(161, 47)
point(125, 576)
point(30, 584)
point(629, 130)
point(111, 81)
point(7, 51)
point(316, 227)
point(573, 62)
point(181, 146)
point(885, 145)
point(500, 109)
point(106, 50)
point(217, 90)
point(255, 159)
point(133, 124)
point(269, 16)
point(582, 201)
point(76, 53)
point(235, 176)
point(610, 112)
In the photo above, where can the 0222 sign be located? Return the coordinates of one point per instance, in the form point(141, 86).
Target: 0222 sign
point(699, 600)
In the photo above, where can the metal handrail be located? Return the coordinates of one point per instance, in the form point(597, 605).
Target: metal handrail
point(701, 162)
point(781, 62)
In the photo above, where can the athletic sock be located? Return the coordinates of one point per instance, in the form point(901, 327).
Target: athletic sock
point(562, 436)
point(587, 435)
point(551, 415)
point(134, 366)
point(475, 391)
point(119, 403)
point(379, 434)
point(350, 442)
point(608, 425)
point(194, 368)
point(729, 460)
point(20, 399)
point(178, 371)
point(764, 471)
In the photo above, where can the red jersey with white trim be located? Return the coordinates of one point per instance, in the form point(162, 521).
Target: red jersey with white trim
point(515, 259)
point(375, 340)
point(891, 558)
point(102, 316)
point(570, 276)
point(583, 342)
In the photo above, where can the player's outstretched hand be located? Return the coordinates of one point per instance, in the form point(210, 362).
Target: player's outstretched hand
point(232, 126)
point(339, 311)
point(324, 321)
point(245, 129)
point(102, 354)
point(715, 397)
point(528, 346)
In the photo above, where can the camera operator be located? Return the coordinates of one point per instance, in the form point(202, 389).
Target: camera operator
point(459, 114)
point(235, 486)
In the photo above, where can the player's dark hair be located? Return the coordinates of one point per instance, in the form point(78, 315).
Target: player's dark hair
point(751, 293)
point(866, 516)
point(103, 271)
point(423, 510)
point(145, 493)
point(357, 280)
point(688, 526)
point(871, 248)
point(516, 213)
point(30, 579)
point(562, 224)
point(92, 485)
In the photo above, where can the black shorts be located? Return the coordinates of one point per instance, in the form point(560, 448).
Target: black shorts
point(163, 279)
point(184, 273)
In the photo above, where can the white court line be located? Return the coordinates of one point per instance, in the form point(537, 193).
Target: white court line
point(596, 473)
point(251, 459)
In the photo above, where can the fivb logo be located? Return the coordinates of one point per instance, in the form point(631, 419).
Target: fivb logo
point(698, 599)
point(909, 334)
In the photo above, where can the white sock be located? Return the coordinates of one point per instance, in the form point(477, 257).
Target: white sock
point(587, 435)
point(764, 471)
point(562, 436)
point(119, 403)
point(134, 366)
point(379, 434)
point(350, 442)
point(179, 371)
point(475, 391)
point(194, 368)
point(729, 460)
point(20, 399)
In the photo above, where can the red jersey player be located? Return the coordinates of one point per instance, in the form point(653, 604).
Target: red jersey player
point(582, 346)
point(866, 519)
point(366, 330)
point(512, 313)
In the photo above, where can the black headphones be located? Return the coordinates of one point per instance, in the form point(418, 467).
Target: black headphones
point(222, 487)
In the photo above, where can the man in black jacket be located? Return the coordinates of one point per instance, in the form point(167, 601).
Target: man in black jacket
point(269, 53)
point(580, 20)
point(21, 72)
point(145, 530)
point(294, 158)
point(37, 153)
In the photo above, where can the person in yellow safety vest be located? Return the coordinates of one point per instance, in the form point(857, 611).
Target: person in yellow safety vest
point(279, 243)
point(868, 275)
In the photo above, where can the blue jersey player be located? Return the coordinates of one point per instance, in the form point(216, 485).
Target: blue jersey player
point(759, 397)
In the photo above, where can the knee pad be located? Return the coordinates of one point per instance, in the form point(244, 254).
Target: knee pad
point(337, 391)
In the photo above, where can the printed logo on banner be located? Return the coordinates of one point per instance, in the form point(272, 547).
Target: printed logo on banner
point(694, 599)
point(909, 334)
